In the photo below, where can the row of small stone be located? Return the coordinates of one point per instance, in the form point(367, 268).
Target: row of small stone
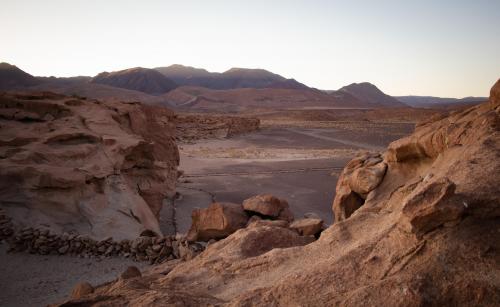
point(144, 248)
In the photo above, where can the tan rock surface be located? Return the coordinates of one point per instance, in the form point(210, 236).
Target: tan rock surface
point(97, 168)
point(369, 258)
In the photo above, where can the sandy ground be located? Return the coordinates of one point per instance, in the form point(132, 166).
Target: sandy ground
point(299, 164)
point(33, 280)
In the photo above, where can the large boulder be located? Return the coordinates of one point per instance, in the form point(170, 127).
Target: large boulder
point(268, 206)
point(97, 168)
point(217, 221)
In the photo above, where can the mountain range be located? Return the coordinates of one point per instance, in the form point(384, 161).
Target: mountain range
point(185, 87)
point(432, 102)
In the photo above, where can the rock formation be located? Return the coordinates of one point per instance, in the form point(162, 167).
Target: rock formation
point(360, 176)
point(426, 234)
point(192, 127)
point(85, 166)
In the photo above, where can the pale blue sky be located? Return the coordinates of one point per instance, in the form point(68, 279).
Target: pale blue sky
point(441, 48)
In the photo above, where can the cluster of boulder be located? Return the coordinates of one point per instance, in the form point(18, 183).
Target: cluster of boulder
point(147, 247)
point(220, 220)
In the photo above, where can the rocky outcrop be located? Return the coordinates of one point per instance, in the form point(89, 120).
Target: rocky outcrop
point(360, 176)
point(85, 166)
point(408, 244)
point(217, 221)
point(191, 127)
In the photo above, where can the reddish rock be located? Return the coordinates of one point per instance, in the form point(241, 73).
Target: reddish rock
point(270, 206)
point(217, 221)
point(365, 179)
point(81, 290)
point(307, 226)
point(360, 176)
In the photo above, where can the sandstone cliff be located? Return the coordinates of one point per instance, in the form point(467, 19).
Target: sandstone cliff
point(85, 166)
point(424, 231)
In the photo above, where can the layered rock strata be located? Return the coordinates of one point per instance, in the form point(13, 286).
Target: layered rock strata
point(85, 166)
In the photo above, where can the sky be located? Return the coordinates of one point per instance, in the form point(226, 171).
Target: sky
point(447, 48)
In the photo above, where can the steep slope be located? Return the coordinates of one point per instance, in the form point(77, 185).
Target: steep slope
point(138, 79)
point(11, 77)
point(426, 232)
point(74, 165)
point(370, 94)
point(438, 102)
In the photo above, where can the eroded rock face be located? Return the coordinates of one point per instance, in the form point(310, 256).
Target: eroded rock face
point(269, 206)
point(360, 176)
point(96, 168)
point(217, 221)
point(371, 257)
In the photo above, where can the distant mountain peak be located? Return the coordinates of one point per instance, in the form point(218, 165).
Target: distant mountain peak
point(12, 77)
point(138, 79)
point(370, 94)
point(236, 77)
